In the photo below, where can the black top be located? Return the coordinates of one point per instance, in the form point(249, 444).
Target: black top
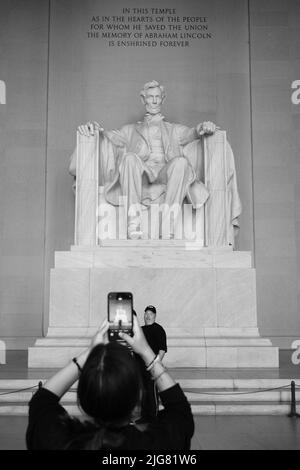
point(172, 430)
point(156, 337)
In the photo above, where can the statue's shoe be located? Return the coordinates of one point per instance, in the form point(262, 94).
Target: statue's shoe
point(135, 234)
point(171, 236)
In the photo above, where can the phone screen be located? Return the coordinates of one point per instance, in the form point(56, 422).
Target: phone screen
point(119, 313)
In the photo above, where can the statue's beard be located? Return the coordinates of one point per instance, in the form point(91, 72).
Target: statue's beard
point(151, 110)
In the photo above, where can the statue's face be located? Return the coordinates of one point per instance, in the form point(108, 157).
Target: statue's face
point(153, 100)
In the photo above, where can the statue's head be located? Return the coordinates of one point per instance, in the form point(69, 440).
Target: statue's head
point(153, 96)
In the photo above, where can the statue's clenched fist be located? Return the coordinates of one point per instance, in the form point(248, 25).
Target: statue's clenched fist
point(206, 128)
point(90, 128)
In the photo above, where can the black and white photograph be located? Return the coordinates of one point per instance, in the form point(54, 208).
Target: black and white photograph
point(150, 228)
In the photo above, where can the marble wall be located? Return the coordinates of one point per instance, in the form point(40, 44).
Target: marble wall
point(275, 64)
point(23, 68)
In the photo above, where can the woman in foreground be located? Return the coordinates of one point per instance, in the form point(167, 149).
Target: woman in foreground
point(109, 389)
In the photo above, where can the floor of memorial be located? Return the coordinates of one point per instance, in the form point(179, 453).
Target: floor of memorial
point(212, 432)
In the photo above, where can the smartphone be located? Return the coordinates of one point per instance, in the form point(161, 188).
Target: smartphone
point(119, 314)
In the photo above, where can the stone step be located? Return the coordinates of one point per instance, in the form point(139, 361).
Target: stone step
point(242, 409)
point(172, 342)
point(280, 396)
point(207, 408)
point(193, 381)
point(207, 396)
point(209, 356)
point(234, 384)
point(201, 395)
point(82, 335)
point(188, 379)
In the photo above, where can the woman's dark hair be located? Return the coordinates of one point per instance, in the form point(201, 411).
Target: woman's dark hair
point(109, 385)
point(109, 388)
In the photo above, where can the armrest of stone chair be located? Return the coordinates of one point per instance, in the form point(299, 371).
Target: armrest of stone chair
point(87, 182)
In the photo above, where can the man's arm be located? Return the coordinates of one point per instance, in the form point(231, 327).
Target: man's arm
point(162, 341)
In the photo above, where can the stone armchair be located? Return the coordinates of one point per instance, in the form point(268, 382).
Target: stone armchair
point(213, 225)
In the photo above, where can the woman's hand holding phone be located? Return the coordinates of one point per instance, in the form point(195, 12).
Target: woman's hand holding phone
point(138, 342)
point(101, 336)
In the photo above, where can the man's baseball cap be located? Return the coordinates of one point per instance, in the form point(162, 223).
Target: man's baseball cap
point(151, 308)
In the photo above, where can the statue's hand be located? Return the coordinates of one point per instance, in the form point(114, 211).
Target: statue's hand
point(206, 128)
point(90, 128)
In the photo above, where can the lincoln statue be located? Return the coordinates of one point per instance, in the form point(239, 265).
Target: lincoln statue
point(147, 163)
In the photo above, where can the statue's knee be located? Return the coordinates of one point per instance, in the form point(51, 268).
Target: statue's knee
point(180, 163)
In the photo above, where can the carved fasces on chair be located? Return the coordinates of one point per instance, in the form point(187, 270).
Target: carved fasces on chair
point(87, 183)
point(215, 178)
point(223, 207)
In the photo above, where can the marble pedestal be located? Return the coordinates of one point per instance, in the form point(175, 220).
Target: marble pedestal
point(205, 298)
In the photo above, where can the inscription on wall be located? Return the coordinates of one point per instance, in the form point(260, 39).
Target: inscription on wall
point(149, 27)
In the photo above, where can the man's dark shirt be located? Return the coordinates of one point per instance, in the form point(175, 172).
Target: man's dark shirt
point(156, 337)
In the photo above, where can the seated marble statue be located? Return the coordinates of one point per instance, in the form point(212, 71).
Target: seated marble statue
point(147, 163)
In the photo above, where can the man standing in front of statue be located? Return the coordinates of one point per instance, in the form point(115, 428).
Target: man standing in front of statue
point(150, 163)
point(157, 340)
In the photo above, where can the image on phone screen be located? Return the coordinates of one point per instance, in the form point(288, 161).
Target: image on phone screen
point(119, 313)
